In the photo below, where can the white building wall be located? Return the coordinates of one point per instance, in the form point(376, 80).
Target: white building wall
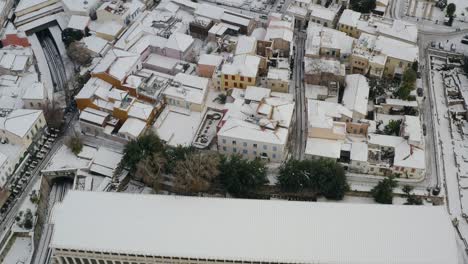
point(251, 149)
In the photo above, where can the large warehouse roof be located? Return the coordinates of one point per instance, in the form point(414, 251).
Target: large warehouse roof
point(256, 230)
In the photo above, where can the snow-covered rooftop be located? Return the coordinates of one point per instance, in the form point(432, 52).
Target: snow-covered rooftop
point(325, 148)
point(319, 36)
point(412, 128)
point(117, 63)
point(349, 18)
point(177, 126)
point(278, 231)
point(133, 127)
point(20, 121)
point(323, 13)
point(246, 45)
point(243, 65)
point(322, 113)
point(356, 93)
point(210, 59)
point(359, 151)
point(409, 156)
point(179, 41)
point(35, 92)
point(190, 88)
point(95, 44)
point(79, 22)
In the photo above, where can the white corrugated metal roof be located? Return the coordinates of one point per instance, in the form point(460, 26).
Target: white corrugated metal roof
point(254, 230)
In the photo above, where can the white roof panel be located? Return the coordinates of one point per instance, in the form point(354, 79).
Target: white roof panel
point(254, 230)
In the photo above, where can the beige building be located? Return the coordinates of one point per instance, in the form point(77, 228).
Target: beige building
point(278, 80)
point(187, 91)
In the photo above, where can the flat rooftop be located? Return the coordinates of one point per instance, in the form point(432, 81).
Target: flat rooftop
point(253, 230)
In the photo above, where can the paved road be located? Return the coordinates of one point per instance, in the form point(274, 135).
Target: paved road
point(300, 128)
point(9, 219)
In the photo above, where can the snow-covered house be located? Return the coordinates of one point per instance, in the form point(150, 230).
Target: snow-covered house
point(256, 124)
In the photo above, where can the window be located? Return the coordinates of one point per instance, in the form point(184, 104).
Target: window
point(244, 151)
point(224, 141)
point(234, 150)
point(78, 261)
point(255, 145)
point(225, 83)
point(245, 144)
point(93, 261)
point(265, 147)
point(249, 79)
point(226, 76)
point(234, 142)
point(413, 170)
point(233, 77)
point(242, 78)
point(255, 152)
point(275, 148)
point(39, 104)
point(235, 84)
point(224, 148)
point(274, 156)
point(31, 104)
point(86, 261)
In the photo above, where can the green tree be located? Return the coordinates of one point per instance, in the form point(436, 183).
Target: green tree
point(393, 128)
point(140, 148)
point(404, 91)
point(332, 180)
point(383, 191)
point(322, 176)
point(69, 35)
point(409, 76)
point(296, 175)
point(363, 6)
point(451, 8)
point(75, 144)
point(196, 173)
point(241, 177)
point(411, 199)
point(415, 66)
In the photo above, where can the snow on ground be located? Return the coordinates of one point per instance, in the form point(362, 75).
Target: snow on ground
point(453, 150)
point(44, 70)
point(361, 200)
point(20, 251)
point(27, 204)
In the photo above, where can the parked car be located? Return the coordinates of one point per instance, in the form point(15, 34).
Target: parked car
point(419, 91)
point(464, 41)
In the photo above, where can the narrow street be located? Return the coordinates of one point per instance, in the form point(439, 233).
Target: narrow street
point(300, 130)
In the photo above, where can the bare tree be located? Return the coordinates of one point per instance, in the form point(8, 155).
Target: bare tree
point(53, 115)
point(149, 170)
point(196, 173)
point(79, 54)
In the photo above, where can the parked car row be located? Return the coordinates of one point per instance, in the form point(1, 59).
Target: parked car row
point(20, 180)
